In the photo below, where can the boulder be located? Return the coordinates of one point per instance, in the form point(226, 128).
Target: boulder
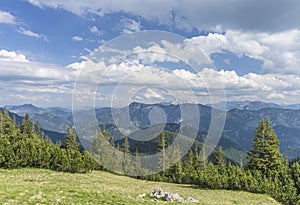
point(168, 196)
point(191, 199)
point(158, 193)
point(176, 197)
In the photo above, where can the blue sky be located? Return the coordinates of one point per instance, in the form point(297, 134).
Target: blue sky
point(254, 47)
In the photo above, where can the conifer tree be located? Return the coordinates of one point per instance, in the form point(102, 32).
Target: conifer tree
point(37, 129)
point(26, 125)
point(7, 126)
point(203, 157)
point(196, 159)
point(188, 162)
point(70, 140)
point(265, 154)
point(220, 157)
point(126, 161)
point(162, 150)
point(1, 123)
point(111, 141)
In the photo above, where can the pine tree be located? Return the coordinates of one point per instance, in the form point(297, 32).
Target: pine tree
point(111, 141)
point(70, 140)
point(126, 161)
point(162, 151)
point(196, 159)
point(1, 123)
point(37, 129)
point(7, 126)
point(26, 125)
point(220, 157)
point(265, 154)
point(188, 162)
point(203, 158)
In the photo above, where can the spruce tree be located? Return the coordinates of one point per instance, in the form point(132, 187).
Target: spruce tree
point(126, 161)
point(26, 125)
point(220, 157)
point(188, 162)
point(162, 150)
point(265, 154)
point(70, 140)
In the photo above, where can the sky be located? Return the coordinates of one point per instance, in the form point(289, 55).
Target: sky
point(113, 52)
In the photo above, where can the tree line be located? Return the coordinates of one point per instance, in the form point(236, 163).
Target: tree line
point(24, 145)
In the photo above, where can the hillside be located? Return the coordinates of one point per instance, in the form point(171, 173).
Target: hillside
point(36, 186)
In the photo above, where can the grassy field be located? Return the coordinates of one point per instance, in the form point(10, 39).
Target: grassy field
point(37, 186)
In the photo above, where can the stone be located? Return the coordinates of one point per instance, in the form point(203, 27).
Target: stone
point(168, 196)
point(191, 199)
point(176, 197)
point(141, 195)
point(158, 193)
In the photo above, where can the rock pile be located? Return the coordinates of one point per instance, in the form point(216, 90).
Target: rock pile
point(158, 193)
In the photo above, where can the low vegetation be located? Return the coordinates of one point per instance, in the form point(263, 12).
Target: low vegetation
point(40, 186)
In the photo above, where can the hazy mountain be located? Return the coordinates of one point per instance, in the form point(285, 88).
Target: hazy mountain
point(245, 105)
point(21, 110)
point(292, 107)
point(54, 119)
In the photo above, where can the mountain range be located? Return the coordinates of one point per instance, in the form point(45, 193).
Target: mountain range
point(253, 105)
point(241, 121)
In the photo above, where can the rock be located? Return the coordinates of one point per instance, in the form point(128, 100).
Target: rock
point(176, 197)
point(168, 196)
point(191, 199)
point(141, 195)
point(158, 193)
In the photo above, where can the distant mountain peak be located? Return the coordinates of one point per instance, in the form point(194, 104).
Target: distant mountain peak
point(246, 105)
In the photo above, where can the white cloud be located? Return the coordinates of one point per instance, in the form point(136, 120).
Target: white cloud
point(129, 26)
point(12, 56)
point(280, 88)
point(7, 18)
point(31, 80)
point(94, 29)
point(77, 38)
point(32, 34)
point(207, 15)
point(23, 80)
point(279, 52)
point(276, 96)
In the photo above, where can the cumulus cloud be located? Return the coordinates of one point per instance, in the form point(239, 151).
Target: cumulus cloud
point(129, 26)
point(22, 79)
point(32, 34)
point(16, 67)
point(182, 84)
point(94, 29)
point(7, 18)
point(12, 56)
point(77, 38)
point(279, 82)
point(279, 52)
